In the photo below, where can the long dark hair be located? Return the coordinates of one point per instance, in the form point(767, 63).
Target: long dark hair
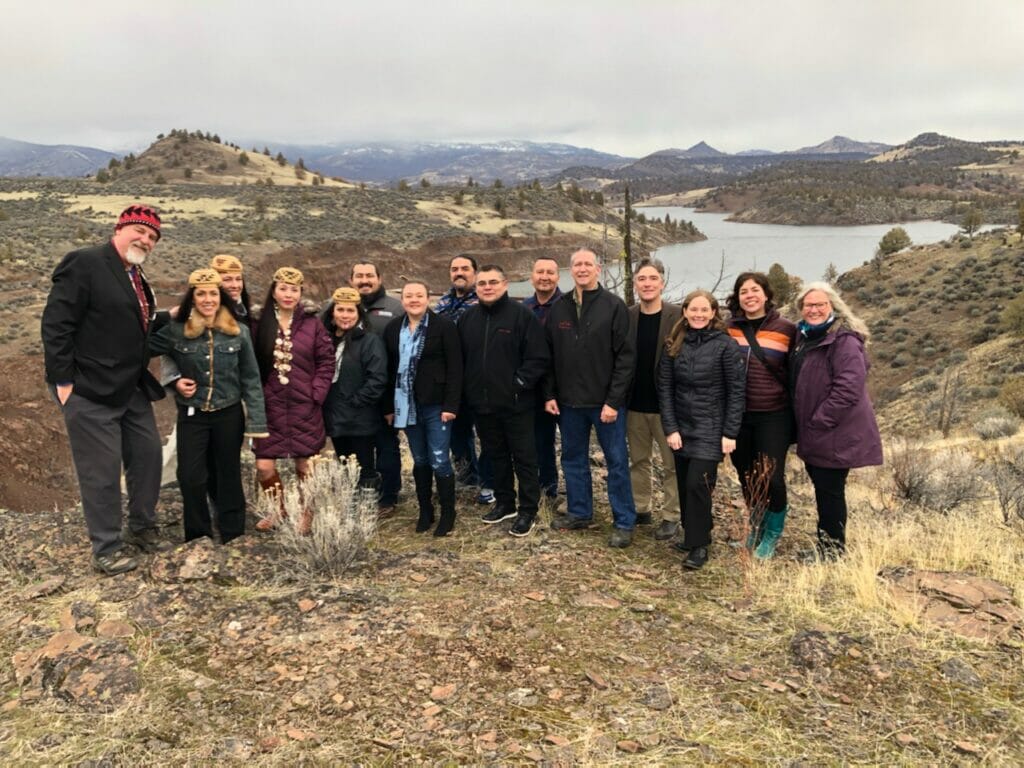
point(327, 318)
point(266, 333)
point(674, 342)
point(187, 303)
point(733, 302)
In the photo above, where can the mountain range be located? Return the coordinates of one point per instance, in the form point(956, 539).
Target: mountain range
point(22, 158)
point(454, 162)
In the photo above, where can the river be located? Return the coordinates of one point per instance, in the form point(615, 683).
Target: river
point(802, 251)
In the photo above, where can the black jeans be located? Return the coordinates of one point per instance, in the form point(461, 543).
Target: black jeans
point(389, 463)
point(830, 495)
point(696, 479)
point(506, 438)
point(202, 436)
point(362, 446)
point(763, 434)
point(544, 440)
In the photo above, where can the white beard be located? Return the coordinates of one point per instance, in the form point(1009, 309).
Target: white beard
point(135, 256)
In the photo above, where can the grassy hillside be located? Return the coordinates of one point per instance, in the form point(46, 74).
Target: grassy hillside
point(936, 311)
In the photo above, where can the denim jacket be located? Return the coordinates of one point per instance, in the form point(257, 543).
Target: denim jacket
point(221, 360)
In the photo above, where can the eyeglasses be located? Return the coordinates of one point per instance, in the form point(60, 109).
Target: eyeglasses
point(822, 305)
point(490, 283)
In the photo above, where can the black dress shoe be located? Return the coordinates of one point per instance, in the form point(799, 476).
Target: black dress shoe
point(696, 559)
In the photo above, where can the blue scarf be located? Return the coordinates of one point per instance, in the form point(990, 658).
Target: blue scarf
point(408, 358)
point(809, 331)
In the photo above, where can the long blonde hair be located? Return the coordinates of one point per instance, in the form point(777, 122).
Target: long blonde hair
point(844, 315)
point(674, 341)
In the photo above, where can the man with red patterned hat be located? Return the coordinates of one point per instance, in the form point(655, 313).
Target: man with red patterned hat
point(95, 330)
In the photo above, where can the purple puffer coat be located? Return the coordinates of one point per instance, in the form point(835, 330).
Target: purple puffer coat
point(295, 416)
point(835, 421)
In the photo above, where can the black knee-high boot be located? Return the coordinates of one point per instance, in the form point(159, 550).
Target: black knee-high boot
point(424, 478)
point(446, 493)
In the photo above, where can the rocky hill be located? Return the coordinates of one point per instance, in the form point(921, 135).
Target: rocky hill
point(930, 177)
point(184, 157)
point(840, 145)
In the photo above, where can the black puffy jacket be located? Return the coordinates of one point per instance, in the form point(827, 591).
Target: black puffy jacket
point(702, 392)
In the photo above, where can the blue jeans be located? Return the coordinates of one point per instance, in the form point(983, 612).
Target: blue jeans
point(575, 424)
point(430, 440)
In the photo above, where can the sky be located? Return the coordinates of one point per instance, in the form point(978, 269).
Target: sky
point(628, 77)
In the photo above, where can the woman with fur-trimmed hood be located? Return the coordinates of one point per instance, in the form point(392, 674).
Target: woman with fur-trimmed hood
point(835, 421)
point(215, 356)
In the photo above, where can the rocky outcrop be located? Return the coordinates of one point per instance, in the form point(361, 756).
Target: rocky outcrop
point(92, 673)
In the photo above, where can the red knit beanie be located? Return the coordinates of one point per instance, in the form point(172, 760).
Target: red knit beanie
point(140, 214)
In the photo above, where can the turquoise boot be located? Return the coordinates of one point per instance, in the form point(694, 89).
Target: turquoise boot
point(774, 522)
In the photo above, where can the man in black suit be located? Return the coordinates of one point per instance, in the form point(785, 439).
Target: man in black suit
point(95, 330)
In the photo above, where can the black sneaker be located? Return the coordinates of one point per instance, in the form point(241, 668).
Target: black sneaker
point(523, 524)
point(570, 523)
point(498, 514)
point(147, 540)
point(114, 563)
point(644, 518)
point(696, 559)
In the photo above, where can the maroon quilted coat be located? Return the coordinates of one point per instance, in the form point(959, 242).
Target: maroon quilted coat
point(835, 422)
point(295, 416)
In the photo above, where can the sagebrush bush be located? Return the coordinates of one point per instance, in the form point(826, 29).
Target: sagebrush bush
point(992, 426)
point(344, 519)
point(940, 480)
point(1012, 396)
point(1006, 473)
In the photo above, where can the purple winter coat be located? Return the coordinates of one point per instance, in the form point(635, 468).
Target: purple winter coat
point(295, 416)
point(835, 421)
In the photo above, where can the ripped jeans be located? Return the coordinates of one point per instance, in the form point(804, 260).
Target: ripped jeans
point(430, 440)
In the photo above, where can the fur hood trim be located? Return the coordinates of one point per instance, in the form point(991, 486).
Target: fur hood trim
point(223, 321)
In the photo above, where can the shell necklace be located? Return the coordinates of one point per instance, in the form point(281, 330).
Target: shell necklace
point(282, 349)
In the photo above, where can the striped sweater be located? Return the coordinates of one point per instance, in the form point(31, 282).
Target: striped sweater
point(775, 336)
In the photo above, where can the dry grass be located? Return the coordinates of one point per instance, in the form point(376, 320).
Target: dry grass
point(103, 207)
point(555, 647)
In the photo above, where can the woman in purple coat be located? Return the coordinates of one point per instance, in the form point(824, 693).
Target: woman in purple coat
point(835, 422)
point(296, 360)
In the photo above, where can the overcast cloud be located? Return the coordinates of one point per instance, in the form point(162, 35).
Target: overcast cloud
point(740, 75)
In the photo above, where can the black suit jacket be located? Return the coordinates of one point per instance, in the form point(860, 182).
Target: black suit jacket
point(439, 371)
point(92, 330)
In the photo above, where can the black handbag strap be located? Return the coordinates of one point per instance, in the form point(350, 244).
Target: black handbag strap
point(751, 336)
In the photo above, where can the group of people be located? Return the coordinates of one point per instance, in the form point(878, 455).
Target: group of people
point(678, 379)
